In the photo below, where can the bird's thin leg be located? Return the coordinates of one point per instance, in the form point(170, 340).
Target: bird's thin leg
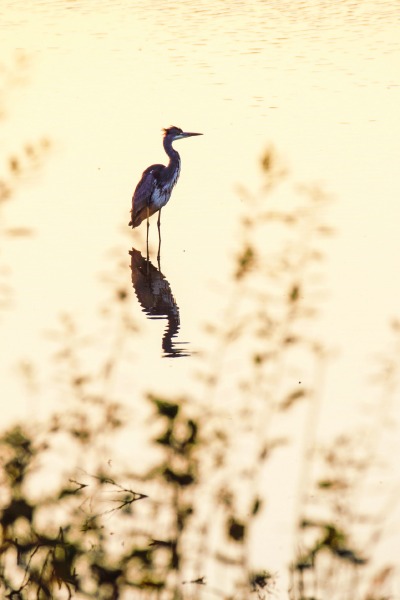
point(159, 234)
point(147, 233)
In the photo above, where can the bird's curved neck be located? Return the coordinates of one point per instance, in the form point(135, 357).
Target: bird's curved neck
point(174, 158)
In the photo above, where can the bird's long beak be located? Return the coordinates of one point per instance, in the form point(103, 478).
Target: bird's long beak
point(185, 134)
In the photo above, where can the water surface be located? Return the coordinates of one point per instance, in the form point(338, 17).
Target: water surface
point(317, 80)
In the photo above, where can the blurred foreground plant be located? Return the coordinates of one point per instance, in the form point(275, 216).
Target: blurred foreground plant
point(15, 166)
point(170, 499)
point(267, 361)
point(349, 500)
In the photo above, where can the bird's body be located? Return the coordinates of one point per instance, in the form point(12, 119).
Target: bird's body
point(155, 187)
point(151, 194)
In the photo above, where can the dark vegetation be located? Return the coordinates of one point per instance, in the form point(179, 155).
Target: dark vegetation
point(80, 519)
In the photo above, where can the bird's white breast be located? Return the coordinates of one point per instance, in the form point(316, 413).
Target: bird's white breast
point(162, 192)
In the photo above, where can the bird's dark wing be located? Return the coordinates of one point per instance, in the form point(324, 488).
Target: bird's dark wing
point(141, 199)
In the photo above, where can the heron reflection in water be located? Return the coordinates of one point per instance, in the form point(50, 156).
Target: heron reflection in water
point(155, 297)
point(155, 187)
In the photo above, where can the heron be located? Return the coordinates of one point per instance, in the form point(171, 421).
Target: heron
point(155, 187)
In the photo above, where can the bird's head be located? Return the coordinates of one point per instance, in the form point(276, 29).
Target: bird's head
point(175, 133)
